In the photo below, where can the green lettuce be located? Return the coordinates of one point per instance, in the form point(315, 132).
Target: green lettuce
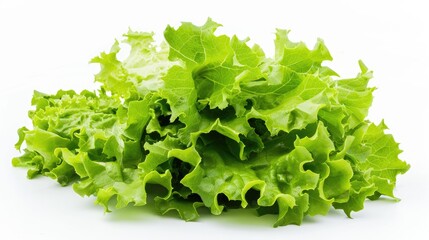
point(207, 121)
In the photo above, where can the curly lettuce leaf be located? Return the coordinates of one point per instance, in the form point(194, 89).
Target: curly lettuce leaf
point(202, 120)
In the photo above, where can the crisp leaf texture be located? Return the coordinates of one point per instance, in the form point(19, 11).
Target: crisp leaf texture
point(206, 121)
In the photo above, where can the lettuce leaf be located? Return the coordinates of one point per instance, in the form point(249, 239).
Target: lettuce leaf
point(206, 121)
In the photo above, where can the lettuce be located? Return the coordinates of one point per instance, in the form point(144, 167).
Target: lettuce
point(207, 121)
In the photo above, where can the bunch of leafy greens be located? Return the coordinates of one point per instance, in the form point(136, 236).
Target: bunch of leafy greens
point(205, 120)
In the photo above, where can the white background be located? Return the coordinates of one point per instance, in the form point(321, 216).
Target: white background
point(46, 45)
